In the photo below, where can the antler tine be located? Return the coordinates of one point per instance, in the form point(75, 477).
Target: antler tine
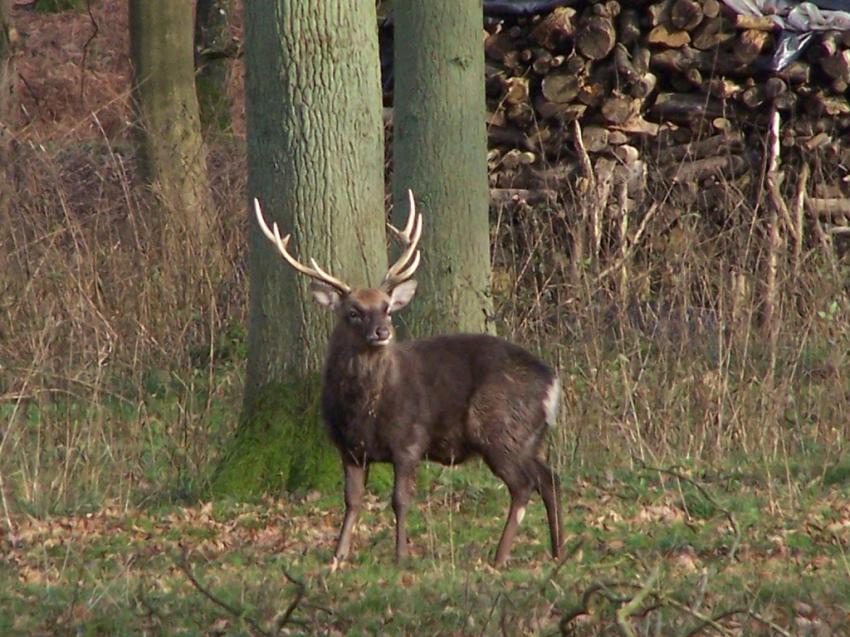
point(315, 272)
point(410, 270)
point(405, 266)
point(411, 217)
point(411, 242)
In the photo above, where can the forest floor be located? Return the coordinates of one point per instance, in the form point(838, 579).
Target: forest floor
point(649, 551)
point(105, 530)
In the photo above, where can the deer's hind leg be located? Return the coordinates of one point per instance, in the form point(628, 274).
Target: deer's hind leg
point(520, 482)
point(405, 478)
point(548, 485)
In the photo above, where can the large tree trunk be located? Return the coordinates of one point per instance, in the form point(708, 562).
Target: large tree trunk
point(173, 153)
point(440, 151)
point(315, 162)
point(213, 53)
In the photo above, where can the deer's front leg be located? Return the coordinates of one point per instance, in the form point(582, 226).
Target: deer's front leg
point(355, 486)
point(405, 476)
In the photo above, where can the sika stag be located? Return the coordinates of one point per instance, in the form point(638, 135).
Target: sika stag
point(445, 399)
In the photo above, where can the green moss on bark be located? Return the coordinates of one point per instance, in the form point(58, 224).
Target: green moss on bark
point(284, 446)
point(59, 6)
point(281, 446)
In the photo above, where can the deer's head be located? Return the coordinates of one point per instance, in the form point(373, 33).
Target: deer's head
point(364, 313)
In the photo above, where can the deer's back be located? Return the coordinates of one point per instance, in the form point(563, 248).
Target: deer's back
point(448, 397)
point(477, 392)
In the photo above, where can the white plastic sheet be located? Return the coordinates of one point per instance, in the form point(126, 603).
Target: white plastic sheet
point(798, 22)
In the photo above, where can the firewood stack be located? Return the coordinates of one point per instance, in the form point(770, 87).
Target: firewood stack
point(684, 82)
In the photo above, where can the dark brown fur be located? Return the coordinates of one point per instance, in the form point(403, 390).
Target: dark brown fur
point(444, 399)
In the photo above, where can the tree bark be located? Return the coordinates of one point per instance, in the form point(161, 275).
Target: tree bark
point(7, 74)
point(315, 162)
point(213, 52)
point(172, 149)
point(440, 151)
point(6, 71)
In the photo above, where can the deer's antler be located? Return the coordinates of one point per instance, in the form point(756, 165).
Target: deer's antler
point(405, 266)
point(316, 272)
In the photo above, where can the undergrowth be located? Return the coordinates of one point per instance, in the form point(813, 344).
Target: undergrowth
point(650, 551)
point(703, 447)
point(117, 367)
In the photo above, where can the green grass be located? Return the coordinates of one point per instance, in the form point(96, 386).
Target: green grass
point(107, 493)
point(118, 570)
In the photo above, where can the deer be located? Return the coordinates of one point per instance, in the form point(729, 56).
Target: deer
point(443, 399)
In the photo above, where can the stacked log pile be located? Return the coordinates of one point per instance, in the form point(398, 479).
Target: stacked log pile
point(685, 83)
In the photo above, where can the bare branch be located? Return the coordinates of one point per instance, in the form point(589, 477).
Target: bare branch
point(238, 613)
point(629, 608)
point(300, 591)
point(705, 494)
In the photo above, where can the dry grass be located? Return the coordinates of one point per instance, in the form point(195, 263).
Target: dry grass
point(119, 375)
point(98, 318)
point(661, 336)
point(115, 362)
point(120, 378)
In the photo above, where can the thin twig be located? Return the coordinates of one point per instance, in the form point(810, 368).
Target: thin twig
point(772, 625)
point(598, 588)
point(800, 213)
point(630, 607)
point(300, 591)
point(705, 494)
point(86, 50)
point(773, 240)
point(627, 254)
point(711, 622)
point(7, 515)
point(566, 557)
point(30, 90)
point(774, 178)
point(583, 157)
point(4, 437)
point(237, 612)
point(490, 614)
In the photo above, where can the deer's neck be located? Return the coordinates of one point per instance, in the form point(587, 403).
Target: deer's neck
point(363, 371)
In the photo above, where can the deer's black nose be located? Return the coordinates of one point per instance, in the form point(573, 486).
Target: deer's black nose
point(382, 333)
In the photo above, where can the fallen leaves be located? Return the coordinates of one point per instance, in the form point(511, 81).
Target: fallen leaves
point(621, 539)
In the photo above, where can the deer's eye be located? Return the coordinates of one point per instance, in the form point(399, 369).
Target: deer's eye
point(354, 315)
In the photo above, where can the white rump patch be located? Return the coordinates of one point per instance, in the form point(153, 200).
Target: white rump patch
point(551, 402)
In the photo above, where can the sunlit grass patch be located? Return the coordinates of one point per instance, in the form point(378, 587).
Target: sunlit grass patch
point(126, 570)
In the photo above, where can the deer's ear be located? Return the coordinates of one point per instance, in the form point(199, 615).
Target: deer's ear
point(325, 295)
point(402, 294)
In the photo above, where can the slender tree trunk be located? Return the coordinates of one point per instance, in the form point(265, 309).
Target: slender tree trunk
point(315, 162)
point(6, 71)
point(173, 153)
point(213, 53)
point(440, 151)
point(7, 74)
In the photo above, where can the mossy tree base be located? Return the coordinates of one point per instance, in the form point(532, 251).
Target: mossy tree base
point(281, 445)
